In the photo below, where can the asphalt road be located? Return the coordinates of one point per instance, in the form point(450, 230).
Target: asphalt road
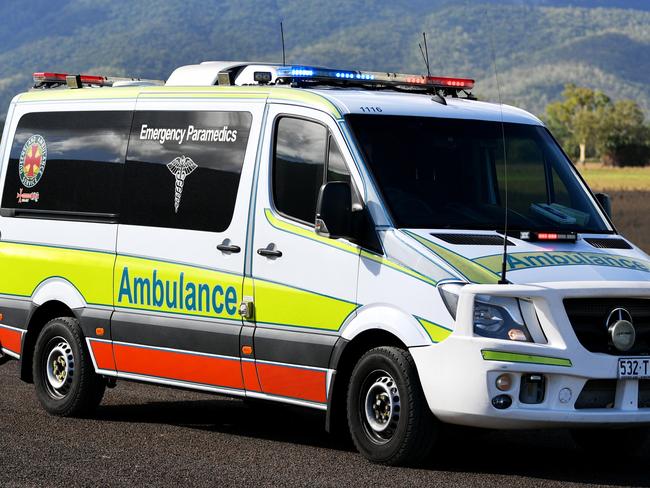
point(145, 435)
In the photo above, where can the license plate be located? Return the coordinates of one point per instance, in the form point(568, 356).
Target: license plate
point(633, 368)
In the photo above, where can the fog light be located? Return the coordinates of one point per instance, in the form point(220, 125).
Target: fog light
point(501, 402)
point(504, 382)
point(565, 395)
point(532, 389)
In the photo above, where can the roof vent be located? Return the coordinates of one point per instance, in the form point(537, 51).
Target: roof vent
point(472, 239)
point(606, 243)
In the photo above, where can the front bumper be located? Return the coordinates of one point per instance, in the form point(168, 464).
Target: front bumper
point(458, 375)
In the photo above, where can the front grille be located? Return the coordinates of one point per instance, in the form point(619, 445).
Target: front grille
point(588, 317)
point(597, 394)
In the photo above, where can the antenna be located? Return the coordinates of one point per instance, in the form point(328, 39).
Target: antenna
point(425, 53)
point(424, 58)
point(284, 58)
point(504, 262)
point(426, 50)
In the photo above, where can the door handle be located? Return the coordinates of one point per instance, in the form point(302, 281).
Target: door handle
point(270, 251)
point(226, 246)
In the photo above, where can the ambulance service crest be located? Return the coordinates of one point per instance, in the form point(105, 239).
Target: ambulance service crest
point(32, 161)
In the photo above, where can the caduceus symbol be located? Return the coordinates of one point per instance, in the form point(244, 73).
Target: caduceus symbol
point(180, 167)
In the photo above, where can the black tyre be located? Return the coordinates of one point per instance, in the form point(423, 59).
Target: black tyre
point(610, 442)
point(389, 419)
point(65, 380)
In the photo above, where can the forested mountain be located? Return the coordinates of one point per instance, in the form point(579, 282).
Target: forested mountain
point(539, 45)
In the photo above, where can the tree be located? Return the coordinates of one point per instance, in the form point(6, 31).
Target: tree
point(578, 118)
point(624, 139)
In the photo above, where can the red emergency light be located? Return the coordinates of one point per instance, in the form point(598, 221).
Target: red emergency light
point(74, 81)
point(549, 236)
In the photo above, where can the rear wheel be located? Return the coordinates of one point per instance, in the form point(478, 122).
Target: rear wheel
point(65, 380)
point(389, 419)
point(610, 442)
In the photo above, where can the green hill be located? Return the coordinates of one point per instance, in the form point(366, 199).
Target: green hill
point(540, 45)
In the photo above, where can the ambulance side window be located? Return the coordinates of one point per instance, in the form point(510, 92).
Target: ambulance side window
point(336, 168)
point(67, 163)
point(302, 149)
point(183, 169)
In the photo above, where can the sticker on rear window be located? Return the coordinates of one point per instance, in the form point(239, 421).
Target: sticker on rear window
point(32, 161)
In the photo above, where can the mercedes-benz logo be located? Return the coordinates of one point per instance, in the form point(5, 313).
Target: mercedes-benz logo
point(622, 333)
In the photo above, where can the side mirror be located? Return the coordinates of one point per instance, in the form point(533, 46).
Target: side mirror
point(605, 203)
point(334, 210)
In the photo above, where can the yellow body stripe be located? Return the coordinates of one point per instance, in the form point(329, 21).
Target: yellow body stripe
point(437, 333)
point(512, 357)
point(469, 269)
point(23, 267)
point(284, 305)
point(309, 234)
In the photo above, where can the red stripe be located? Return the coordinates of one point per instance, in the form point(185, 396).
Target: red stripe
point(293, 382)
point(103, 353)
point(250, 376)
point(10, 339)
point(179, 366)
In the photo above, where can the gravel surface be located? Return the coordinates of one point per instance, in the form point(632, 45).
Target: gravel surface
point(145, 435)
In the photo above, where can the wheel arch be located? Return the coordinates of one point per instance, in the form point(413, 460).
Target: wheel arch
point(344, 357)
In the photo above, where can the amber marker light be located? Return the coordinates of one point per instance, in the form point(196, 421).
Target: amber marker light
point(247, 350)
point(504, 382)
point(99, 331)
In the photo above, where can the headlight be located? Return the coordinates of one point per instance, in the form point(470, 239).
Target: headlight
point(499, 318)
point(495, 317)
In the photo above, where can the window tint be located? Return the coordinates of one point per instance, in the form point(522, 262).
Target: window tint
point(336, 168)
point(449, 174)
point(67, 162)
point(183, 169)
point(300, 147)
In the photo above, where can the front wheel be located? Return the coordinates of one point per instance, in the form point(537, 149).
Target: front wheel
point(64, 376)
point(389, 419)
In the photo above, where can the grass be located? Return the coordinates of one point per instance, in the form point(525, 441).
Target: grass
point(629, 189)
point(631, 215)
point(601, 178)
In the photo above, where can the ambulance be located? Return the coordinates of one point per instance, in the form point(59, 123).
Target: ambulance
point(382, 247)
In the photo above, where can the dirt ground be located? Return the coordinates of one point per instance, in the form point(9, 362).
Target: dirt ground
point(631, 210)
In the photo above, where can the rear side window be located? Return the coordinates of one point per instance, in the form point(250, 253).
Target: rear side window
point(183, 169)
point(302, 149)
point(67, 162)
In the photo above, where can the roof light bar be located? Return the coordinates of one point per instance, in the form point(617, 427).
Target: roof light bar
point(548, 236)
point(65, 78)
point(45, 79)
point(306, 73)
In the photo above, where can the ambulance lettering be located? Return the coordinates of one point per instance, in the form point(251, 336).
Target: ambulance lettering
point(176, 294)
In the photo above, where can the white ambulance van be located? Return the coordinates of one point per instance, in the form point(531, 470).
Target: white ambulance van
point(382, 247)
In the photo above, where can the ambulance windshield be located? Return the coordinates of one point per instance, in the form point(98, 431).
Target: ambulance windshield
point(439, 173)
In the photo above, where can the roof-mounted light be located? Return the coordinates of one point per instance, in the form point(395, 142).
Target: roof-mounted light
point(49, 79)
point(548, 236)
point(309, 73)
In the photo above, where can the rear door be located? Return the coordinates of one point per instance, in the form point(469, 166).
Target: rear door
point(179, 271)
